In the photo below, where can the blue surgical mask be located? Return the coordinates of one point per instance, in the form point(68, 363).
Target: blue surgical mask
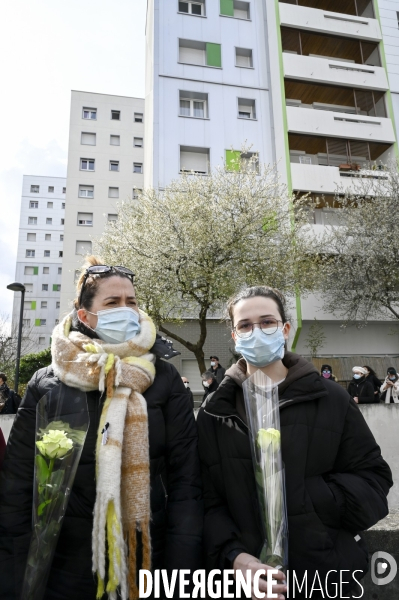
point(260, 349)
point(356, 376)
point(117, 325)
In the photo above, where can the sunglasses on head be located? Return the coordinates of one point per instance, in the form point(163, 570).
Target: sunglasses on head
point(101, 270)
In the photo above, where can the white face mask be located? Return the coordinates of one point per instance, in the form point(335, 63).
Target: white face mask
point(205, 384)
point(185, 384)
point(117, 325)
point(213, 364)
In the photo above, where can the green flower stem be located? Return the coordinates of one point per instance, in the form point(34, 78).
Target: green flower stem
point(50, 470)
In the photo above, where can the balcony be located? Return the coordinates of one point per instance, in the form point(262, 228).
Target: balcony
point(345, 100)
point(357, 8)
point(337, 124)
point(321, 21)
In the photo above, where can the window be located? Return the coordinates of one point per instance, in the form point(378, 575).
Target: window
point(62, 221)
point(192, 8)
point(60, 253)
point(86, 191)
point(88, 139)
point(34, 189)
point(114, 165)
point(235, 159)
point(42, 324)
point(115, 140)
point(61, 237)
point(56, 287)
point(246, 109)
point(50, 204)
point(30, 254)
point(138, 142)
point(47, 254)
point(113, 192)
point(42, 340)
point(31, 237)
point(30, 271)
point(138, 117)
point(194, 159)
point(32, 220)
point(234, 8)
point(47, 237)
point(43, 304)
point(85, 219)
point(136, 192)
point(46, 270)
point(89, 113)
point(49, 221)
point(137, 167)
point(193, 104)
point(44, 287)
point(59, 270)
point(115, 115)
point(51, 189)
point(83, 247)
point(112, 217)
point(200, 53)
point(87, 164)
point(33, 204)
point(57, 304)
point(28, 288)
point(25, 322)
point(63, 205)
point(64, 190)
point(28, 305)
point(244, 58)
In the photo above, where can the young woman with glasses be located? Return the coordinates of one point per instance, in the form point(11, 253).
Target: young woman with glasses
point(141, 481)
point(336, 478)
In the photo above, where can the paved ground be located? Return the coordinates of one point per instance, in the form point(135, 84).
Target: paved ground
point(391, 522)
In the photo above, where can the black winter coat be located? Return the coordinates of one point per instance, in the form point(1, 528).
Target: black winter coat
point(176, 496)
point(336, 478)
point(361, 389)
point(376, 383)
point(12, 400)
point(218, 373)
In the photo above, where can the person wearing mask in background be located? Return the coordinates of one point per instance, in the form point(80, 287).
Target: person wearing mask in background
point(186, 382)
point(210, 384)
point(217, 369)
point(149, 464)
point(326, 372)
point(336, 479)
point(390, 387)
point(375, 382)
point(9, 400)
point(359, 388)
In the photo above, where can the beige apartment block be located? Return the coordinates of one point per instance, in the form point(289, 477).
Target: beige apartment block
point(105, 167)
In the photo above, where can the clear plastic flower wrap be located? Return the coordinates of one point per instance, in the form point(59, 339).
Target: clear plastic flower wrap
point(262, 407)
point(62, 422)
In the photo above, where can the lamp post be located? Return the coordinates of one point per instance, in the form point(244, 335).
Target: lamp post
point(18, 287)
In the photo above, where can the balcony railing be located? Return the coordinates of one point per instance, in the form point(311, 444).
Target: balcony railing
point(329, 46)
point(358, 8)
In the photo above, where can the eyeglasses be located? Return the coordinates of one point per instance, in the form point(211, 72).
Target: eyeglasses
point(267, 326)
point(100, 270)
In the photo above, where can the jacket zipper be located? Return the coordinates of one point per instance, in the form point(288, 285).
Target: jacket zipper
point(164, 490)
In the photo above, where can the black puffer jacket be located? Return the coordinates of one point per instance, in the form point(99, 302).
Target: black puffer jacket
point(336, 478)
point(361, 389)
point(176, 497)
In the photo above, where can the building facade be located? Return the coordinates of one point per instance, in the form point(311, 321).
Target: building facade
point(312, 85)
point(39, 257)
point(105, 166)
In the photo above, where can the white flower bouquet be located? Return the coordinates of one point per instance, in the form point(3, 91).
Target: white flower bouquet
point(59, 445)
point(262, 407)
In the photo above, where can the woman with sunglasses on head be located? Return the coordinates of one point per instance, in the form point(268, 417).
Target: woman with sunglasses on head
point(336, 478)
point(147, 467)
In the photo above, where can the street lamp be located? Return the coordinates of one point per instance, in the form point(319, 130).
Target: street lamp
point(18, 287)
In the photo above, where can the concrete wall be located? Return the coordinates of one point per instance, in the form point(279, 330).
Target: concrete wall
point(383, 420)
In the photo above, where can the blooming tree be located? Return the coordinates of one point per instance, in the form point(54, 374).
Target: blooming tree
point(195, 243)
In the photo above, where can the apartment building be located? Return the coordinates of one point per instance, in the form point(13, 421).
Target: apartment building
point(105, 166)
point(312, 85)
point(39, 256)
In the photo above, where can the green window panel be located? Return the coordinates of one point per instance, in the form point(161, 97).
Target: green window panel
point(33, 305)
point(233, 159)
point(55, 287)
point(213, 55)
point(37, 322)
point(227, 7)
point(35, 270)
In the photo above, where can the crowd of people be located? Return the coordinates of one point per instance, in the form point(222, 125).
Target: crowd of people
point(179, 493)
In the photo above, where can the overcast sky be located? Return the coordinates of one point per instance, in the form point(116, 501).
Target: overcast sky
point(47, 49)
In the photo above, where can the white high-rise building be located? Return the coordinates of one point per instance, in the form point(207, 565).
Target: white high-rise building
point(312, 85)
point(105, 166)
point(39, 256)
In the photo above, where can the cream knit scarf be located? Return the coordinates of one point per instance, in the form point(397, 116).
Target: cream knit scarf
point(122, 505)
